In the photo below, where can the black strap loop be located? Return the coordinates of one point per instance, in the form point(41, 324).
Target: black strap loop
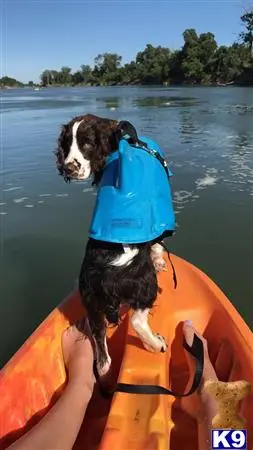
point(172, 265)
point(196, 350)
point(159, 157)
point(126, 129)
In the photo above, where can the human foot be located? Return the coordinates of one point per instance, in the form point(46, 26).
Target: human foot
point(208, 370)
point(193, 404)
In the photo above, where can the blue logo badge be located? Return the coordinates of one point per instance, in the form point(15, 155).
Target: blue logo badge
point(226, 439)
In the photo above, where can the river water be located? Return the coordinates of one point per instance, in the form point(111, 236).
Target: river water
point(207, 134)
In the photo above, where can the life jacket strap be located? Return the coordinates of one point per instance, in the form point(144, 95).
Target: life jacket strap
point(158, 156)
point(126, 130)
point(196, 350)
point(172, 265)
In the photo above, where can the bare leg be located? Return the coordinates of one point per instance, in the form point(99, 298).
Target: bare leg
point(157, 258)
point(59, 428)
point(153, 342)
point(200, 405)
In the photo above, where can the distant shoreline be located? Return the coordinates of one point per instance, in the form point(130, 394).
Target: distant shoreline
point(165, 85)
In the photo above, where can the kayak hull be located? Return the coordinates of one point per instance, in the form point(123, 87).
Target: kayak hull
point(35, 376)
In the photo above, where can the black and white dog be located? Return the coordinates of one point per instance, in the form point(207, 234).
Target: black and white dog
point(111, 274)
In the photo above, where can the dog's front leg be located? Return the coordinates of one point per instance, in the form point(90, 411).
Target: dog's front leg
point(153, 342)
point(157, 258)
point(98, 330)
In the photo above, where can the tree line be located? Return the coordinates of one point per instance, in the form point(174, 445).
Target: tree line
point(199, 61)
point(12, 82)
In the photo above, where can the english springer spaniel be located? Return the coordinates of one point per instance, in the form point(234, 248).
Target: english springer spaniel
point(111, 274)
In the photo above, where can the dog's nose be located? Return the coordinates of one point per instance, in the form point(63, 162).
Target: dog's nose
point(70, 168)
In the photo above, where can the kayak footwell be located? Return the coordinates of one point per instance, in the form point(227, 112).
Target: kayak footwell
point(33, 379)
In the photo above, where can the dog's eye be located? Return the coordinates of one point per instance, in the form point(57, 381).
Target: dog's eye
point(86, 144)
point(86, 147)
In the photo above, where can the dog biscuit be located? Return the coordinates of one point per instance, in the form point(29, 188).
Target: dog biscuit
point(228, 396)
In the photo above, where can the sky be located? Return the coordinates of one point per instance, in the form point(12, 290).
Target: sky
point(48, 34)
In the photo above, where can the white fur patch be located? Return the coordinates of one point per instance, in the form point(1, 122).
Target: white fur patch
point(75, 155)
point(152, 342)
point(125, 258)
point(157, 249)
point(157, 258)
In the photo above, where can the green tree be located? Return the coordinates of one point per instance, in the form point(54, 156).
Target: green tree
point(192, 66)
point(153, 64)
point(46, 78)
point(129, 73)
point(226, 64)
point(54, 77)
point(107, 67)
point(108, 62)
point(10, 82)
point(207, 48)
point(51, 78)
point(86, 73)
point(176, 67)
point(197, 55)
point(190, 37)
point(247, 35)
point(65, 75)
point(77, 77)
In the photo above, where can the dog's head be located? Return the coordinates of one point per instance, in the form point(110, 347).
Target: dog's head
point(83, 145)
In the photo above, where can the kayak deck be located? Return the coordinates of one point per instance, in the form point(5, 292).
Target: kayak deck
point(34, 378)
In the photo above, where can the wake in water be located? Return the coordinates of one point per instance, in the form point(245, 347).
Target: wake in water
point(28, 202)
point(209, 179)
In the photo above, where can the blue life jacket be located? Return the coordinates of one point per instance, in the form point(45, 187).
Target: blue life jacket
point(134, 202)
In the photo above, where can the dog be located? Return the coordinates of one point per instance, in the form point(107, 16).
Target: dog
point(111, 274)
point(83, 146)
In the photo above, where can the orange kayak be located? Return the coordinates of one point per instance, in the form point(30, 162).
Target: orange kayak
point(33, 379)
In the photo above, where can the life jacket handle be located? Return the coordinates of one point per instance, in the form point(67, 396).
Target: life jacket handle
point(126, 130)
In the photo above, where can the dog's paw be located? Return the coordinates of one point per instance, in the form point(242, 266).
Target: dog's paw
point(103, 368)
point(157, 345)
point(159, 264)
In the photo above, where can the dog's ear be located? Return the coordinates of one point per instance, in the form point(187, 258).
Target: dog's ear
point(59, 151)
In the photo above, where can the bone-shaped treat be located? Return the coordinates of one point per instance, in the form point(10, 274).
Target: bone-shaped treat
point(228, 397)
